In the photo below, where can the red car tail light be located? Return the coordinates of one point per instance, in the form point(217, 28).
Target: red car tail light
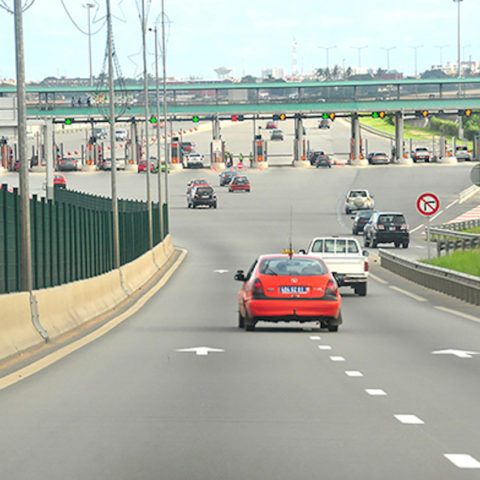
point(257, 288)
point(365, 266)
point(381, 227)
point(332, 288)
point(404, 227)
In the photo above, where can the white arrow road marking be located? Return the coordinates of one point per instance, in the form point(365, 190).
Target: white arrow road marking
point(409, 419)
point(462, 460)
point(200, 350)
point(457, 353)
point(354, 373)
point(220, 270)
point(375, 391)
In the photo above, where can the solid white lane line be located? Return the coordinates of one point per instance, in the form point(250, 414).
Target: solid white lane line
point(459, 314)
point(378, 279)
point(354, 373)
point(417, 228)
point(335, 358)
point(412, 295)
point(409, 419)
point(375, 391)
point(462, 460)
point(451, 204)
point(314, 337)
point(437, 214)
point(324, 347)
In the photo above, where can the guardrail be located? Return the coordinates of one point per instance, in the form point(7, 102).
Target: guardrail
point(459, 285)
point(452, 240)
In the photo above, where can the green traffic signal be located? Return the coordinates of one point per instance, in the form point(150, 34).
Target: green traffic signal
point(195, 119)
point(153, 119)
point(68, 121)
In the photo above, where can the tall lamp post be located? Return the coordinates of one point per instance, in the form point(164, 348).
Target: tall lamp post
point(165, 108)
point(388, 49)
point(415, 48)
point(327, 50)
point(89, 6)
point(359, 50)
point(459, 65)
point(440, 48)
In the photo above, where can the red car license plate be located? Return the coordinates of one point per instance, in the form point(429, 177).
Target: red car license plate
point(293, 289)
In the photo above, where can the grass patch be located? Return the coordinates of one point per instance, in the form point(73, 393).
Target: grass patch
point(472, 230)
point(467, 261)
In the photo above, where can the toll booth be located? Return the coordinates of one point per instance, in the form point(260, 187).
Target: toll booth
point(259, 152)
point(361, 155)
point(175, 151)
point(217, 151)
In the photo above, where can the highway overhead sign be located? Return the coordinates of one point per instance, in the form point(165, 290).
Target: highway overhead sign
point(428, 204)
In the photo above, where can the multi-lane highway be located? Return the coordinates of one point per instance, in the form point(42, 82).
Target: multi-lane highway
point(377, 399)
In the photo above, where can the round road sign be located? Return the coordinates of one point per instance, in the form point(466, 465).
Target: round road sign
point(475, 175)
point(428, 204)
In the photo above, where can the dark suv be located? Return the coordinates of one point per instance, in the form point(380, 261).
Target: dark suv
point(202, 195)
point(386, 227)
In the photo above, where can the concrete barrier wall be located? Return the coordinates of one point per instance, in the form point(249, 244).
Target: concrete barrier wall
point(66, 307)
point(17, 332)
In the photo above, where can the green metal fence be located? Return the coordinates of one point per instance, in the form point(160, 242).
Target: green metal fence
point(71, 236)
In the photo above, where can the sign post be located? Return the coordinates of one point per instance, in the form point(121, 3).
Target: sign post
point(428, 205)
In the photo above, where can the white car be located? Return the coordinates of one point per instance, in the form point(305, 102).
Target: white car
point(121, 134)
point(195, 160)
point(358, 199)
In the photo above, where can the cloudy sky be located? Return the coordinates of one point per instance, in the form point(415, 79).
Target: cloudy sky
point(243, 35)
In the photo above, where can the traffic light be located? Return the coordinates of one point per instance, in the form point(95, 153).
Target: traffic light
point(467, 112)
point(282, 116)
point(69, 121)
point(195, 119)
point(153, 119)
point(330, 116)
point(378, 114)
point(237, 118)
point(422, 113)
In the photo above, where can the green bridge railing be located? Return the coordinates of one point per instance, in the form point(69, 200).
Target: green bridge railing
point(71, 236)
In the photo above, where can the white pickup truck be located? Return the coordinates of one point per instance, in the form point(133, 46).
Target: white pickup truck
point(345, 260)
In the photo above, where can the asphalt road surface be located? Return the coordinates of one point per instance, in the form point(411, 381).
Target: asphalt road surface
point(372, 401)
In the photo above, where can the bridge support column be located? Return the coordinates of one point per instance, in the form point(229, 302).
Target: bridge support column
point(216, 135)
point(299, 153)
point(355, 148)
point(399, 142)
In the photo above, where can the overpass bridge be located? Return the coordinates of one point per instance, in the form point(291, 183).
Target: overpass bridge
point(350, 98)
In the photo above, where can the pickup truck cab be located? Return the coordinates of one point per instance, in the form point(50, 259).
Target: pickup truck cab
point(345, 260)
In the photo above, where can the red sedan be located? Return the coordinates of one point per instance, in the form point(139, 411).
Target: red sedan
point(288, 288)
point(59, 181)
point(239, 183)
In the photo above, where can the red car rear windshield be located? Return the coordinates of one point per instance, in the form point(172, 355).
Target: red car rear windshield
point(298, 267)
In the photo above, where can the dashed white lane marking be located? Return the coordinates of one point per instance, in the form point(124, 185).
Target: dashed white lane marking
point(412, 295)
point(336, 358)
point(459, 314)
point(324, 347)
point(375, 391)
point(451, 204)
point(462, 460)
point(378, 279)
point(314, 337)
point(409, 419)
point(354, 373)
point(416, 228)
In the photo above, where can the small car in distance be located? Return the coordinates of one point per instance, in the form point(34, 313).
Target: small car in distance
point(421, 154)
point(360, 220)
point(378, 158)
point(226, 177)
point(187, 147)
point(386, 227)
point(196, 182)
point(239, 183)
point(463, 154)
point(324, 123)
point(271, 125)
point(358, 199)
point(59, 181)
point(322, 160)
point(276, 134)
point(194, 160)
point(288, 288)
point(68, 164)
point(202, 195)
point(121, 134)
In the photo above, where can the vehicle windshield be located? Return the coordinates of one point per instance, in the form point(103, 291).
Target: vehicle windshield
point(395, 219)
point(357, 193)
point(241, 180)
point(293, 266)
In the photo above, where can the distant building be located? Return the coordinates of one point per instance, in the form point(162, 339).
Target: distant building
point(273, 73)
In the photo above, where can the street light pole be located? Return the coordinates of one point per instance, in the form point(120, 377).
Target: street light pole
point(387, 49)
point(441, 47)
point(26, 275)
point(459, 59)
point(113, 173)
point(159, 135)
point(327, 49)
point(89, 6)
point(415, 48)
point(147, 148)
point(165, 106)
point(359, 49)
